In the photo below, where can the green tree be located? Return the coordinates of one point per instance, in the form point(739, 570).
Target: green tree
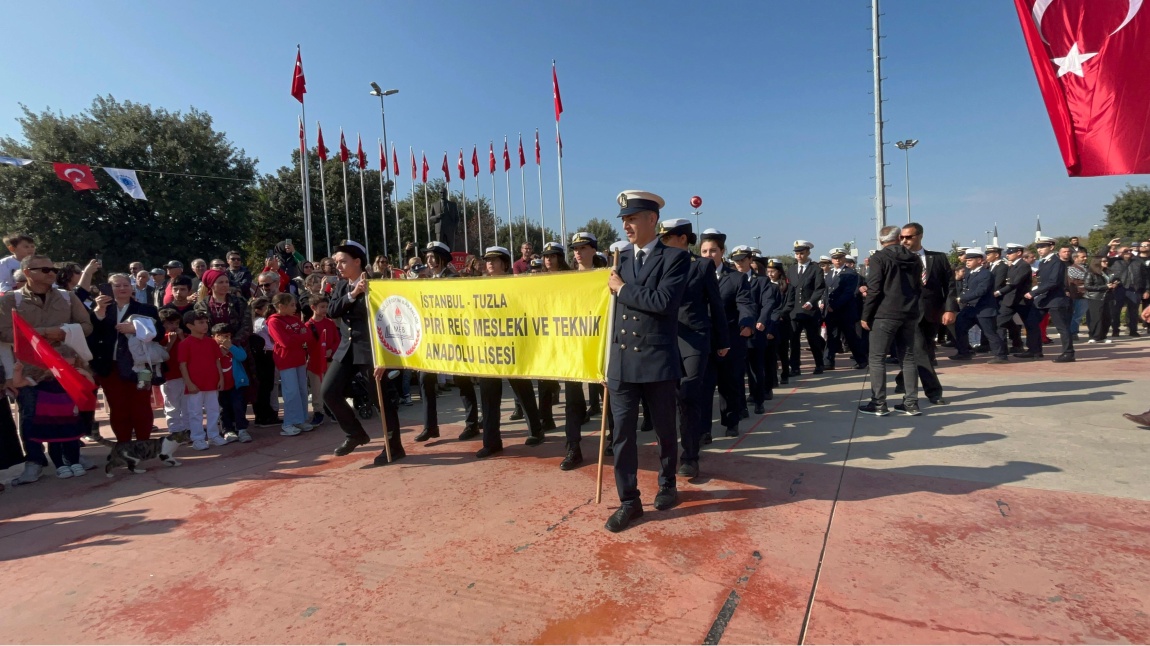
point(603, 230)
point(200, 212)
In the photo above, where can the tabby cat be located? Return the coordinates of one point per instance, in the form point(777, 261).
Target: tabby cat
point(131, 454)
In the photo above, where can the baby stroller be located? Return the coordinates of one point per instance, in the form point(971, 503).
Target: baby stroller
point(363, 394)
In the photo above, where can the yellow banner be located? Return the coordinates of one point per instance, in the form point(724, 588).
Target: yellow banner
point(535, 326)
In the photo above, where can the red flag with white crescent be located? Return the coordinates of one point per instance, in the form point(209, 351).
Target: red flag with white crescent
point(319, 143)
point(425, 168)
point(446, 169)
point(555, 92)
point(506, 157)
point(475, 161)
point(78, 175)
point(1092, 60)
point(538, 157)
point(302, 145)
point(344, 153)
point(491, 151)
point(414, 170)
point(382, 157)
point(462, 170)
point(34, 350)
point(522, 159)
point(298, 84)
point(359, 152)
point(394, 160)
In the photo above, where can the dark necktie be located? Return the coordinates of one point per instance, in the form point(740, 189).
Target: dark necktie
point(639, 262)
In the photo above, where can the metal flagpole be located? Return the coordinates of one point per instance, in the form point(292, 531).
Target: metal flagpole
point(346, 208)
point(494, 204)
point(426, 205)
point(523, 190)
point(507, 177)
point(478, 210)
point(414, 221)
point(463, 196)
point(382, 199)
point(395, 202)
point(323, 198)
point(303, 184)
point(363, 193)
point(539, 168)
point(562, 207)
point(879, 166)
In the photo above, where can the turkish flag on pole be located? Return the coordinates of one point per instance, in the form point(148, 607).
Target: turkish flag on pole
point(555, 92)
point(475, 161)
point(78, 175)
point(425, 168)
point(359, 152)
point(319, 142)
point(446, 169)
point(302, 145)
point(461, 168)
point(34, 350)
point(382, 157)
point(537, 156)
point(491, 151)
point(522, 159)
point(394, 160)
point(506, 157)
point(1092, 61)
point(414, 171)
point(298, 84)
point(344, 153)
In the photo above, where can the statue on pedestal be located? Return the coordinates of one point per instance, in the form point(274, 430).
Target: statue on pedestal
point(444, 219)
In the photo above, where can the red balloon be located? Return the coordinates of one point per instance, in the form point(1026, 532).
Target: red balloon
point(696, 202)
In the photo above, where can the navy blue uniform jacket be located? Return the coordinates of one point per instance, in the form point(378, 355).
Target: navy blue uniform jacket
point(702, 324)
point(978, 293)
point(1051, 290)
point(645, 347)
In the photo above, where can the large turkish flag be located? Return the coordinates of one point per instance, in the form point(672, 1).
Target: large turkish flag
point(1092, 60)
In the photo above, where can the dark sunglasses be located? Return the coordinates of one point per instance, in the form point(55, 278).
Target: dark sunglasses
point(45, 270)
point(908, 237)
point(266, 284)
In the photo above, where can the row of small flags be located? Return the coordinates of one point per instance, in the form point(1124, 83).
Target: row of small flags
point(81, 178)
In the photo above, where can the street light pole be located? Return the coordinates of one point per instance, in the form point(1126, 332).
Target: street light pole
point(757, 242)
point(905, 146)
point(376, 91)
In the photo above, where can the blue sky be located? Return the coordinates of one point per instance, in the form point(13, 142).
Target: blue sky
point(762, 108)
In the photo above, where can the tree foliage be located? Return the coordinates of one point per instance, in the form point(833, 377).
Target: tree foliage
point(602, 229)
point(201, 212)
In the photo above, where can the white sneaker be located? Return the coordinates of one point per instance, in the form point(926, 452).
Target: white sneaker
point(200, 445)
point(63, 472)
point(245, 437)
point(1091, 341)
point(78, 470)
point(218, 441)
point(306, 427)
point(1108, 341)
point(31, 474)
point(231, 437)
point(290, 430)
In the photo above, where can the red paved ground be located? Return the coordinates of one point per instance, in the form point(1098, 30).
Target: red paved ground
point(277, 541)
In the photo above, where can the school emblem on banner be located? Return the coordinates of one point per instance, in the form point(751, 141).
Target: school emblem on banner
point(398, 327)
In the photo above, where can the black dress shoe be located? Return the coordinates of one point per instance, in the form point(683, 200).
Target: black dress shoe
point(666, 498)
point(1063, 358)
point(349, 445)
point(783, 380)
point(689, 469)
point(549, 424)
point(468, 433)
point(795, 372)
point(962, 356)
point(1028, 355)
point(623, 517)
point(609, 450)
point(707, 439)
point(594, 410)
point(733, 431)
point(574, 458)
point(939, 401)
point(488, 451)
point(760, 409)
point(860, 366)
point(744, 414)
point(535, 439)
point(829, 366)
point(818, 370)
point(900, 390)
point(381, 459)
point(647, 426)
point(516, 414)
point(427, 434)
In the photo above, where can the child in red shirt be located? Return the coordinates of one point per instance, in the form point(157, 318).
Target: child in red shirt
point(199, 357)
point(289, 351)
point(326, 335)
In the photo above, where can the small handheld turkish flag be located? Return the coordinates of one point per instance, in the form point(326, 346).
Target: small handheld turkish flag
point(78, 175)
point(298, 84)
point(32, 349)
point(1092, 60)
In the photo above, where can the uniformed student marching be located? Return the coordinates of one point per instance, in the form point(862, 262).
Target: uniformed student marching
point(644, 359)
point(702, 331)
point(1012, 307)
point(491, 388)
point(739, 309)
point(766, 299)
point(779, 341)
point(810, 287)
point(842, 313)
point(585, 253)
point(438, 257)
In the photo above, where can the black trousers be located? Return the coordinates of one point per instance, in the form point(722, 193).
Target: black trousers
point(841, 330)
point(757, 369)
point(966, 320)
point(1060, 319)
point(625, 401)
point(1128, 298)
point(812, 326)
point(732, 392)
point(234, 409)
point(548, 397)
point(265, 383)
point(691, 398)
point(574, 412)
point(1032, 320)
point(429, 386)
point(782, 343)
point(1098, 315)
point(336, 382)
point(925, 334)
point(491, 398)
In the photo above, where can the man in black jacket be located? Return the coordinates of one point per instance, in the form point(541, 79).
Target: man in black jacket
point(1010, 296)
point(939, 308)
point(891, 313)
point(842, 312)
point(1049, 297)
point(810, 287)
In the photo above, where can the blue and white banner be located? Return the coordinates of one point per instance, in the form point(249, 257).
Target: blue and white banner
point(127, 181)
point(14, 161)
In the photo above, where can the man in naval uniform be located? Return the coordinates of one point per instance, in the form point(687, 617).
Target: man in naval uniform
point(810, 287)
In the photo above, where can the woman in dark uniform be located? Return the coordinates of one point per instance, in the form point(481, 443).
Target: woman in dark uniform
point(491, 388)
point(349, 303)
point(778, 348)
